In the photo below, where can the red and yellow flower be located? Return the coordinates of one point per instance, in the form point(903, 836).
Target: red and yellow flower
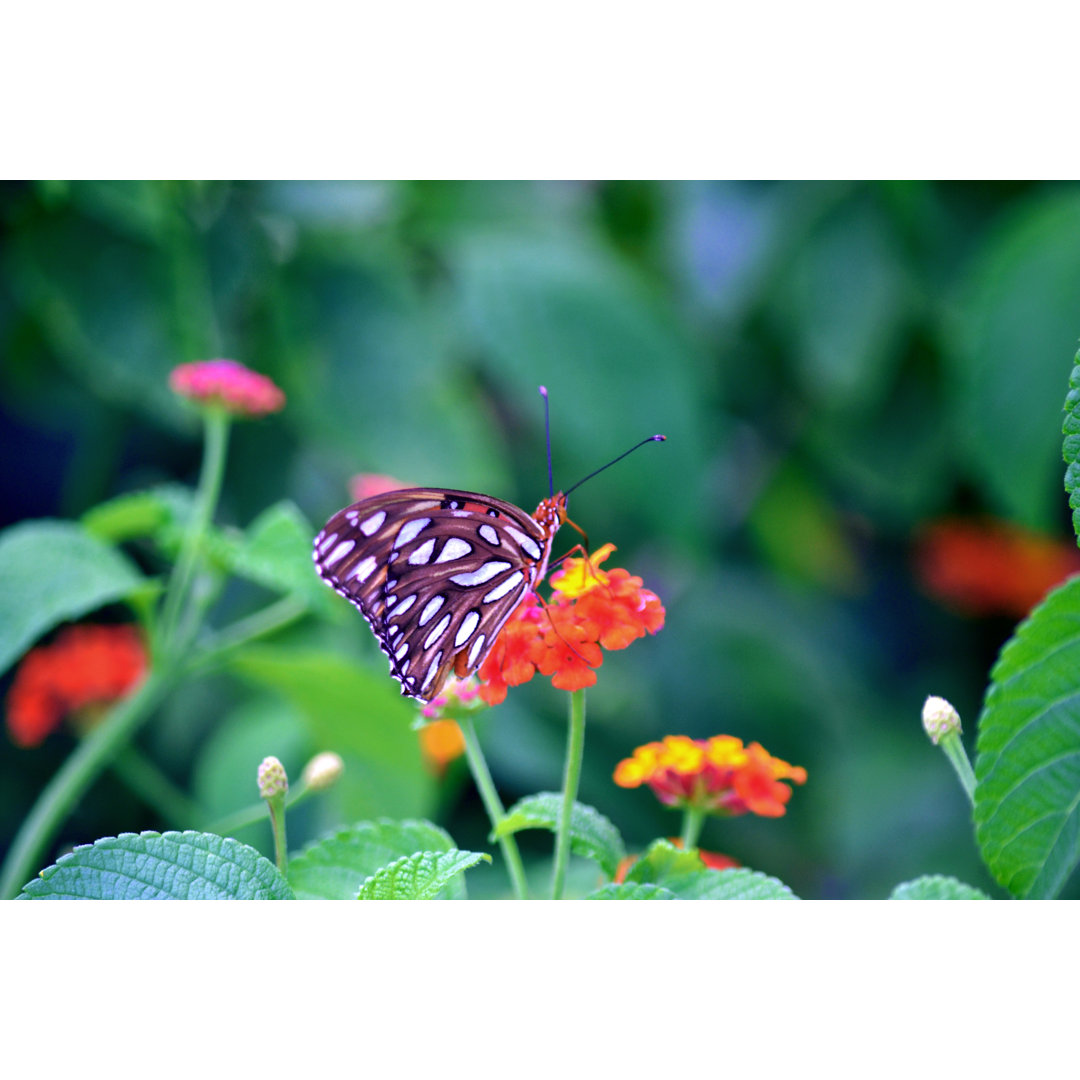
point(228, 384)
point(84, 668)
point(718, 775)
point(591, 610)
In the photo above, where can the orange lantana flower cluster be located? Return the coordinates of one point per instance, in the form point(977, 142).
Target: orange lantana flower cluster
point(590, 610)
point(717, 775)
point(85, 666)
point(991, 567)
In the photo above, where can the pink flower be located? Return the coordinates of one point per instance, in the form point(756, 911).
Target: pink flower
point(227, 383)
point(365, 485)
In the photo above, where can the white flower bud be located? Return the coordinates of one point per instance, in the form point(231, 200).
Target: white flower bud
point(272, 778)
point(939, 718)
point(322, 771)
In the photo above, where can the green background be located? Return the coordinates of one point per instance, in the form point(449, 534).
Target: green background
point(834, 364)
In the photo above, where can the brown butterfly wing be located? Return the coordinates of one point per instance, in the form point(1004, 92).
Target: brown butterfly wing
point(436, 573)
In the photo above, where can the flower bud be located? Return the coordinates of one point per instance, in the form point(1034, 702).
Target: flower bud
point(322, 771)
point(272, 779)
point(939, 719)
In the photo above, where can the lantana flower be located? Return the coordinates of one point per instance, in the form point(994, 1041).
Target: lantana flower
point(228, 384)
point(991, 567)
point(716, 776)
point(591, 610)
point(84, 668)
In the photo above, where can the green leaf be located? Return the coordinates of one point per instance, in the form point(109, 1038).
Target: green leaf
point(275, 552)
point(1071, 446)
point(51, 571)
point(662, 861)
point(632, 892)
point(683, 874)
point(333, 867)
point(358, 713)
point(1017, 325)
point(421, 876)
point(739, 884)
point(161, 512)
point(937, 887)
point(1027, 806)
point(591, 834)
point(161, 866)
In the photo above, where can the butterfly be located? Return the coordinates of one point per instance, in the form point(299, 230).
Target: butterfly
point(436, 573)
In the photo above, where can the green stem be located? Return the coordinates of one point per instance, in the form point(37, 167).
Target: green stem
point(276, 806)
point(265, 621)
point(156, 789)
point(957, 755)
point(216, 427)
point(75, 776)
point(493, 804)
point(575, 749)
point(253, 814)
point(693, 820)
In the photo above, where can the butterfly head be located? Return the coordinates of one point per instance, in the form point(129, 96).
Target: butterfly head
point(551, 513)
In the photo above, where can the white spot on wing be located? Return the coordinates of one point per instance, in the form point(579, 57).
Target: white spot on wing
point(403, 606)
point(481, 573)
point(428, 613)
point(440, 629)
point(410, 530)
point(431, 672)
point(528, 544)
point(373, 523)
point(454, 548)
point(465, 630)
point(340, 551)
point(423, 553)
point(477, 647)
point(504, 587)
point(328, 543)
point(489, 534)
point(364, 569)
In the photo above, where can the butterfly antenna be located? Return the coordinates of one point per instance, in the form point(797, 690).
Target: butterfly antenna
point(651, 438)
point(547, 431)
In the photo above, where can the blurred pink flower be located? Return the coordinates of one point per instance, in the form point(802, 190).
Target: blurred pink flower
point(364, 485)
point(238, 389)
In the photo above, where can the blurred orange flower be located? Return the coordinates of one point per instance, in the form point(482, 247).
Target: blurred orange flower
point(227, 383)
point(84, 666)
point(717, 775)
point(590, 610)
point(991, 567)
point(441, 742)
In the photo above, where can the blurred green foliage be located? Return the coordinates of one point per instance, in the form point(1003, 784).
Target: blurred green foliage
point(833, 363)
